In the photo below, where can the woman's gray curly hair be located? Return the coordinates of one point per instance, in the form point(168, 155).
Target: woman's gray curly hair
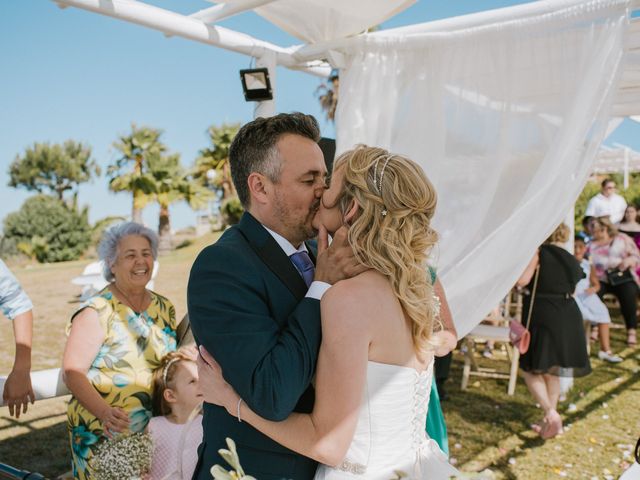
point(108, 248)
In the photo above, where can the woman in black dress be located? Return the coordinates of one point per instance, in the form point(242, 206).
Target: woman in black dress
point(557, 348)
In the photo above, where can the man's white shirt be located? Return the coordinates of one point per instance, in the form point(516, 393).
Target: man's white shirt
point(613, 206)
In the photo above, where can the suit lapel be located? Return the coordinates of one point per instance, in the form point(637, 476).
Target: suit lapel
point(272, 255)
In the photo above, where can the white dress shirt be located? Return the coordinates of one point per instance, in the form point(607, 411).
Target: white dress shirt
point(613, 206)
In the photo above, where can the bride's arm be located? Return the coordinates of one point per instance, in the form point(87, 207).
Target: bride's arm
point(326, 433)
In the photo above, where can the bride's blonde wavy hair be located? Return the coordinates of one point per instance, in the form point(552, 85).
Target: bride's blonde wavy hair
point(392, 231)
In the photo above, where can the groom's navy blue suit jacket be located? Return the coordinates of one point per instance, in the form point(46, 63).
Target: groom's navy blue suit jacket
point(247, 306)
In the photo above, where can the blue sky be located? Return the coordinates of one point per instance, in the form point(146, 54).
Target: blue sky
point(69, 73)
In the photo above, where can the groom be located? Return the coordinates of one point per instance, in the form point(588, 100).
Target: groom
point(254, 296)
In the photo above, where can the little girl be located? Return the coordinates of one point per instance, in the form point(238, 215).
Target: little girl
point(176, 427)
point(591, 307)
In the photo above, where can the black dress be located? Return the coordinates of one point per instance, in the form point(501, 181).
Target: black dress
point(558, 344)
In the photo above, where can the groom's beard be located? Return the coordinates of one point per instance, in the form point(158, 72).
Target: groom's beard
point(299, 226)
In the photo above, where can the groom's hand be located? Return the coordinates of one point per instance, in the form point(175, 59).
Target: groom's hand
point(337, 261)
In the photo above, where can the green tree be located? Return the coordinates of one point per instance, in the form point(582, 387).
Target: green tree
point(590, 189)
point(215, 158)
point(53, 168)
point(48, 229)
point(231, 210)
point(172, 183)
point(130, 173)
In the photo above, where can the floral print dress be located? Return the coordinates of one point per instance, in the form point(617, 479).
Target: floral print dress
point(121, 372)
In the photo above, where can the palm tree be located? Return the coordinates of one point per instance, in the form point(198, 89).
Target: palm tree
point(328, 92)
point(216, 158)
point(171, 183)
point(328, 95)
point(137, 147)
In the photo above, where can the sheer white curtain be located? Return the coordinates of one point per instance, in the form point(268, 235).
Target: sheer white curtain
point(505, 118)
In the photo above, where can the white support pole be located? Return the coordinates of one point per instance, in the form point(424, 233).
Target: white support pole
point(627, 154)
point(267, 108)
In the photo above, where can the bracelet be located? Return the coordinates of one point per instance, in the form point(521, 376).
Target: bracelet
point(239, 403)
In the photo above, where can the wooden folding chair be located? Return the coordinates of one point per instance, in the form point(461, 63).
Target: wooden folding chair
point(497, 333)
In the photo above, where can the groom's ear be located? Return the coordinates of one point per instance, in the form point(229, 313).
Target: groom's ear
point(352, 211)
point(258, 187)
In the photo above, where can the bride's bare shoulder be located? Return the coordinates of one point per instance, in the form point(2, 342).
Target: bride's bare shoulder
point(362, 284)
point(360, 293)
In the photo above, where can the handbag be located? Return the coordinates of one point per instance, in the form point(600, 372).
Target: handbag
point(617, 277)
point(519, 335)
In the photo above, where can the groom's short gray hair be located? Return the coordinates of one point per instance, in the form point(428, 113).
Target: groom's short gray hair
point(254, 147)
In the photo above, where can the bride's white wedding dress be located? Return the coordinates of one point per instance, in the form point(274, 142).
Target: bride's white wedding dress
point(390, 440)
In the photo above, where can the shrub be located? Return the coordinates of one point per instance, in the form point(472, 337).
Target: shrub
point(184, 244)
point(232, 210)
point(8, 248)
point(49, 230)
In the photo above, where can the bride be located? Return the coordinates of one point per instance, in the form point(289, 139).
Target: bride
point(375, 364)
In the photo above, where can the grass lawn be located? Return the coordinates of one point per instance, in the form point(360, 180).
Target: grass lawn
point(488, 429)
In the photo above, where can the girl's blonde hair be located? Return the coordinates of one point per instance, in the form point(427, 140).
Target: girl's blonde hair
point(391, 233)
point(164, 377)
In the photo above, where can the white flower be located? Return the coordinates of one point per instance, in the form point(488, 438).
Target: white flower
point(231, 457)
point(126, 456)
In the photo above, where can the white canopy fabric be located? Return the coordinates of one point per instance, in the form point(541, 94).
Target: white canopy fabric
point(627, 101)
point(506, 118)
point(323, 20)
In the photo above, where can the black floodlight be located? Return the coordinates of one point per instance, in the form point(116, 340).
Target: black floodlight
point(256, 85)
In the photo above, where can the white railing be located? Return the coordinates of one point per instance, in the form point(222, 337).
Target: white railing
point(46, 383)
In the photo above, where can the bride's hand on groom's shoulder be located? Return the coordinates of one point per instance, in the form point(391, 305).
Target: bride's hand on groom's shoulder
point(337, 261)
point(212, 384)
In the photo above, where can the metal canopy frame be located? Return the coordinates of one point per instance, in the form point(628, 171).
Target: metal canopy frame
point(622, 159)
point(311, 58)
point(196, 27)
point(318, 58)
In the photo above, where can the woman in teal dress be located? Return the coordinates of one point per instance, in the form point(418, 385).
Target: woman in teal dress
point(436, 426)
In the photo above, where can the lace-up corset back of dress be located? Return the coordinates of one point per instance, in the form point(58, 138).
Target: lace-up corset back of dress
point(391, 424)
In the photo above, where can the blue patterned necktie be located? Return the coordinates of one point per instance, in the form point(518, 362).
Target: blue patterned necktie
point(305, 266)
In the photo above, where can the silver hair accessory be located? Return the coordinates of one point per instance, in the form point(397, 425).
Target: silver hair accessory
point(382, 173)
point(165, 370)
point(378, 182)
point(375, 176)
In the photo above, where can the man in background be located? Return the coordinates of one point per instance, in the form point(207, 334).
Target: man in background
point(607, 203)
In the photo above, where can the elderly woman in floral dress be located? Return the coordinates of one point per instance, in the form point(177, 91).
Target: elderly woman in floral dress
point(115, 340)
